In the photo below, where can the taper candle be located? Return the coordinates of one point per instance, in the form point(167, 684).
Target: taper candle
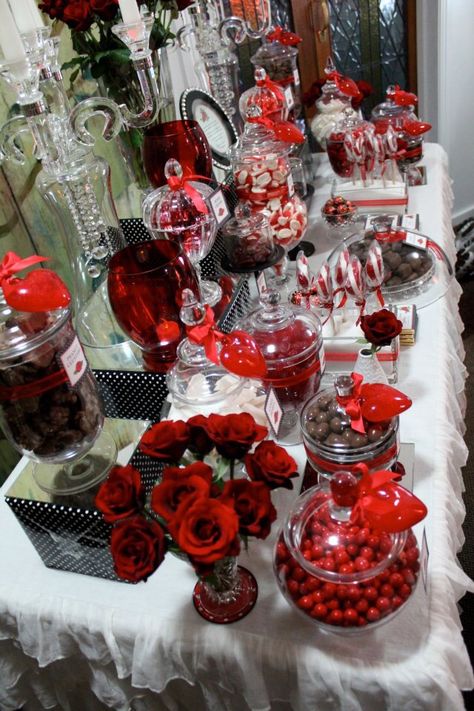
point(130, 11)
point(26, 15)
point(10, 40)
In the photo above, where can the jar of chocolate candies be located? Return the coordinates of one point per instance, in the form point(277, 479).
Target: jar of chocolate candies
point(331, 442)
point(248, 240)
point(339, 570)
point(290, 340)
point(355, 129)
point(50, 407)
point(280, 63)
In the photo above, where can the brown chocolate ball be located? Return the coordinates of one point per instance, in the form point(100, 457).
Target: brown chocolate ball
point(336, 425)
point(374, 433)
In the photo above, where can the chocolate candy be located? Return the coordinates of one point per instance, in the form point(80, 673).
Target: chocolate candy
point(338, 211)
point(58, 420)
point(403, 263)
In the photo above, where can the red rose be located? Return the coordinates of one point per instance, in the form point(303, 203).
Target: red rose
point(166, 440)
point(206, 530)
point(105, 9)
point(253, 506)
point(121, 495)
point(234, 435)
point(180, 484)
point(381, 327)
point(271, 464)
point(78, 15)
point(138, 548)
point(200, 442)
point(53, 8)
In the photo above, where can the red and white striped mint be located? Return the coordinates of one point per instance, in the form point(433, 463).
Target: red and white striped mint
point(340, 272)
point(324, 286)
point(302, 270)
point(355, 285)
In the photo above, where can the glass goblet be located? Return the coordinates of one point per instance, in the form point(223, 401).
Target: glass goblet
point(183, 140)
point(145, 284)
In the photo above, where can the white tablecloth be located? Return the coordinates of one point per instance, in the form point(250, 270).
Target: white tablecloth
point(83, 643)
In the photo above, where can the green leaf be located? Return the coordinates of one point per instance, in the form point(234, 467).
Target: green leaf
point(74, 75)
point(120, 56)
point(73, 63)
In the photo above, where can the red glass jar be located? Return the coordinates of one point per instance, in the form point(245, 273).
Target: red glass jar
point(336, 570)
point(331, 444)
point(290, 340)
point(351, 124)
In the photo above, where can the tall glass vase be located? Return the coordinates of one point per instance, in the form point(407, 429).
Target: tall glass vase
point(81, 200)
point(228, 594)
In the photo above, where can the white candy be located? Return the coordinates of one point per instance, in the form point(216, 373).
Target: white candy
point(274, 204)
point(282, 220)
point(279, 176)
point(284, 233)
point(242, 177)
point(295, 225)
point(258, 190)
point(272, 164)
point(264, 179)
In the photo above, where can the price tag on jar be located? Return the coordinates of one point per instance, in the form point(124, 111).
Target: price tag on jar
point(291, 185)
point(296, 77)
point(273, 411)
point(219, 207)
point(290, 101)
point(261, 283)
point(424, 557)
point(74, 362)
point(416, 240)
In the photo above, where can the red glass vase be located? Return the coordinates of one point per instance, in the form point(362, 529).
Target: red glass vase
point(228, 595)
point(183, 140)
point(145, 285)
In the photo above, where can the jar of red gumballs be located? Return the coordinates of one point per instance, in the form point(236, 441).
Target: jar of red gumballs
point(343, 563)
point(290, 340)
point(339, 212)
point(334, 438)
point(354, 127)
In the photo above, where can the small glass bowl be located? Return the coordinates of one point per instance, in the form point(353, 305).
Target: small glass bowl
point(341, 219)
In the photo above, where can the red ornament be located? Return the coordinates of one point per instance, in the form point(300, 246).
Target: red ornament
point(41, 290)
point(382, 402)
point(241, 355)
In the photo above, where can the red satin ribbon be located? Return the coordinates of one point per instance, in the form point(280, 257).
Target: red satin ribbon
point(290, 39)
point(382, 460)
point(294, 379)
point(177, 183)
point(12, 263)
point(346, 85)
point(351, 404)
point(293, 133)
point(207, 335)
point(38, 387)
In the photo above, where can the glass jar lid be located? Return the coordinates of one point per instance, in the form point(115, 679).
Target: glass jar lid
point(20, 332)
point(352, 123)
point(272, 50)
point(266, 99)
point(245, 222)
point(345, 547)
point(284, 333)
point(178, 206)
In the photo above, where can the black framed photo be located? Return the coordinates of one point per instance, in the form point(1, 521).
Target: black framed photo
point(198, 105)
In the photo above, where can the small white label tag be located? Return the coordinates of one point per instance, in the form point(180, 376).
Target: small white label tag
point(296, 77)
point(411, 222)
point(261, 283)
point(219, 207)
point(273, 411)
point(416, 241)
point(424, 558)
point(290, 101)
point(291, 185)
point(74, 362)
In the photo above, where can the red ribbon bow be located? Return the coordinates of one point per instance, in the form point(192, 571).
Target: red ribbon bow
point(290, 39)
point(352, 404)
point(402, 98)
point(207, 335)
point(40, 290)
point(176, 183)
point(384, 504)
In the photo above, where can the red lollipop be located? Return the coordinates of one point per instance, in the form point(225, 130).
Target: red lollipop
point(355, 285)
point(374, 270)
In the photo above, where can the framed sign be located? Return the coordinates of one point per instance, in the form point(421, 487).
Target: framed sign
point(198, 105)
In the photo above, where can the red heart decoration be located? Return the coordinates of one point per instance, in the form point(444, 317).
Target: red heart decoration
point(288, 132)
point(382, 402)
point(392, 508)
point(416, 128)
point(347, 86)
point(41, 290)
point(78, 366)
point(241, 356)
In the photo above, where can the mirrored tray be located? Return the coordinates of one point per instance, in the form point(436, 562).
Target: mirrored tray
point(417, 269)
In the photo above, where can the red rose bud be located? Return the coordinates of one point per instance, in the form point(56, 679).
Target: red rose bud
point(234, 435)
point(200, 441)
point(121, 495)
point(138, 548)
point(271, 464)
point(166, 440)
point(180, 484)
point(381, 327)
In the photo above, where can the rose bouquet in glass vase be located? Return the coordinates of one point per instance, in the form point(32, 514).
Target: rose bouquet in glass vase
point(103, 56)
point(214, 494)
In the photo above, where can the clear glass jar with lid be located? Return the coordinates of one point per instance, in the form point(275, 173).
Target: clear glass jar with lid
point(400, 117)
point(195, 382)
point(337, 567)
point(248, 241)
point(332, 442)
point(331, 107)
point(290, 340)
point(265, 99)
point(353, 127)
point(280, 63)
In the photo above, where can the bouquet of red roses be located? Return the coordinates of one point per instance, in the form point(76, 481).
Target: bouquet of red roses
point(195, 509)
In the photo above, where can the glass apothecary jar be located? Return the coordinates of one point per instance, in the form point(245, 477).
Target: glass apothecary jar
point(389, 113)
point(280, 63)
point(336, 568)
point(354, 128)
point(51, 410)
point(332, 106)
point(330, 441)
point(248, 240)
point(290, 340)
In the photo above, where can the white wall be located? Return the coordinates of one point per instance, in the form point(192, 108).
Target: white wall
point(446, 89)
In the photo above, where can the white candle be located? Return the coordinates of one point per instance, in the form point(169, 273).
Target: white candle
point(130, 11)
point(26, 15)
point(10, 40)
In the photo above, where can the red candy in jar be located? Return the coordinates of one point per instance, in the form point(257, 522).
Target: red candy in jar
point(336, 568)
point(290, 340)
point(288, 220)
point(340, 159)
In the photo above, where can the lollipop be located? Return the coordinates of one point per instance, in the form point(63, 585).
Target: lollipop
point(325, 290)
point(360, 154)
point(374, 270)
point(355, 285)
point(302, 270)
point(340, 275)
point(391, 149)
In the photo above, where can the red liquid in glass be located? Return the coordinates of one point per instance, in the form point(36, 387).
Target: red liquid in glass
point(183, 140)
point(145, 285)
